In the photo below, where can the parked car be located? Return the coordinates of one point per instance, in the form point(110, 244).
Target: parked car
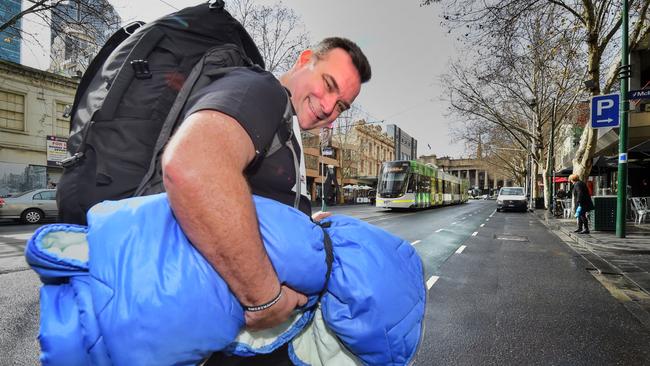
point(512, 198)
point(30, 207)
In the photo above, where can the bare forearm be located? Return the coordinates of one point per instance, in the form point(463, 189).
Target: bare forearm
point(227, 235)
point(203, 175)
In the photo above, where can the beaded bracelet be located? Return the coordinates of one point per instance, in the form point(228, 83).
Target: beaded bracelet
point(264, 306)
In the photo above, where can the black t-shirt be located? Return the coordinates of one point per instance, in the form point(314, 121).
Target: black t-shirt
point(257, 100)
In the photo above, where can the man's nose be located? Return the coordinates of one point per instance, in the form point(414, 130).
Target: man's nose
point(328, 102)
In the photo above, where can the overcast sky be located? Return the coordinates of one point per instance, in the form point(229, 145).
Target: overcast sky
point(407, 48)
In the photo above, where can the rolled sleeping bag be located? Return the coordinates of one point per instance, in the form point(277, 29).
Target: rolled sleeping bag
point(147, 296)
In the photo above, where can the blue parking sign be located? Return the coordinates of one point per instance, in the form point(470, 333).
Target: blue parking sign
point(605, 111)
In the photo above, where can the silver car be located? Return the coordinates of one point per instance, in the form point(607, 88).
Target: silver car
point(30, 207)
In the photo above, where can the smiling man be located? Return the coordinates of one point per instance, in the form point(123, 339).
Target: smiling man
point(216, 161)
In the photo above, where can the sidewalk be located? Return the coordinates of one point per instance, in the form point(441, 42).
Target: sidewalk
point(626, 258)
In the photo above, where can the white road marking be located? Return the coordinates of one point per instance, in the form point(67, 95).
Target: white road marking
point(453, 223)
point(25, 236)
point(439, 230)
point(475, 233)
point(415, 242)
point(431, 281)
point(487, 219)
point(482, 225)
point(460, 249)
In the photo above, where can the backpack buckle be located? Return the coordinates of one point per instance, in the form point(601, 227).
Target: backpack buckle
point(71, 161)
point(216, 4)
point(141, 69)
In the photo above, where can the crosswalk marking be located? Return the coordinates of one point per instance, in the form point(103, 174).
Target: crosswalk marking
point(460, 249)
point(24, 236)
point(475, 233)
point(432, 280)
point(439, 230)
point(415, 242)
point(482, 225)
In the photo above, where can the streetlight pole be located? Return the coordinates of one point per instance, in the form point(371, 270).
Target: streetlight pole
point(551, 153)
point(621, 199)
point(531, 178)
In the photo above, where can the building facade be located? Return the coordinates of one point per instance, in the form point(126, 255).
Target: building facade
point(406, 147)
point(373, 148)
point(33, 129)
point(353, 157)
point(484, 178)
point(10, 39)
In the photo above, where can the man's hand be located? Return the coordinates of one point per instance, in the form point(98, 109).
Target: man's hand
point(316, 217)
point(276, 314)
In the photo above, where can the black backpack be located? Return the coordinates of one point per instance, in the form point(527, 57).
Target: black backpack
point(129, 101)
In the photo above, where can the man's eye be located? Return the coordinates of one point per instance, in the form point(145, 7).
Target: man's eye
point(328, 85)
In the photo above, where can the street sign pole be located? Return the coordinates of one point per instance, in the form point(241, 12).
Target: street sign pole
point(621, 199)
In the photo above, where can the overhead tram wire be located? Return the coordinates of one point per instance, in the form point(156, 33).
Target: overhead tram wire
point(168, 4)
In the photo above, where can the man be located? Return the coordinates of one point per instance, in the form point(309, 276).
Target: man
point(215, 161)
point(582, 200)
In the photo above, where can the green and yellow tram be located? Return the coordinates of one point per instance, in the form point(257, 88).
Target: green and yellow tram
point(411, 184)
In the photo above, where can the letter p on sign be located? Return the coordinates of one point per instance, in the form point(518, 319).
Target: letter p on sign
point(603, 105)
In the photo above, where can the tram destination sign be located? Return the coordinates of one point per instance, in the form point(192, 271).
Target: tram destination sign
point(638, 94)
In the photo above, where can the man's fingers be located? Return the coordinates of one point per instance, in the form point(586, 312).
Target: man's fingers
point(302, 299)
point(320, 215)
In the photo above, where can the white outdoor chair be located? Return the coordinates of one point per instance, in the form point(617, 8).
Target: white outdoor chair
point(640, 210)
point(566, 208)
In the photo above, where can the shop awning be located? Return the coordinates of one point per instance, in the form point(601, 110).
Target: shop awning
point(560, 180)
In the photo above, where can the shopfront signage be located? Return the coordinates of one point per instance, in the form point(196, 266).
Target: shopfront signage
point(638, 94)
point(57, 150)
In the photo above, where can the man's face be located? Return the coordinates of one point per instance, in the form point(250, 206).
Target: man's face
point(322, 88)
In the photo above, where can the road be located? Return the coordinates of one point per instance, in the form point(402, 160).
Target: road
point(18, 298)
point(502, 291)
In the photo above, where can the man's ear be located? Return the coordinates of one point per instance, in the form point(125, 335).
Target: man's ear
point(304, 57)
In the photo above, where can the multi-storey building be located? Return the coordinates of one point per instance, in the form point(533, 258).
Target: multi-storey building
point(33, 129)
point(10, 40)
point(406, 147)
point(374, 147)
point(353, 158)
point(79, 30)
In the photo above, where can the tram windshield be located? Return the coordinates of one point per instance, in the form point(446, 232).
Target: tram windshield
point(393, 179)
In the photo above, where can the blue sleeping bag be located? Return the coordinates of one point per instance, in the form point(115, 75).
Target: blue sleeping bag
point(130, 289)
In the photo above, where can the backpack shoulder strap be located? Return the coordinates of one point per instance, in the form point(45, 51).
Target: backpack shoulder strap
point(287, 120)
point(276, 144)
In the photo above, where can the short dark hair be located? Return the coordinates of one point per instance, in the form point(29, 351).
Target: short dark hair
point(359, 60)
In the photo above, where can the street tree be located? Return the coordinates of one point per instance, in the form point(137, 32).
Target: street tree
point(597, 22)
point(277, 30)
point(513, 88)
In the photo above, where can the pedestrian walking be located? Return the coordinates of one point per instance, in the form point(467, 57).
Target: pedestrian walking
point(583, 203)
